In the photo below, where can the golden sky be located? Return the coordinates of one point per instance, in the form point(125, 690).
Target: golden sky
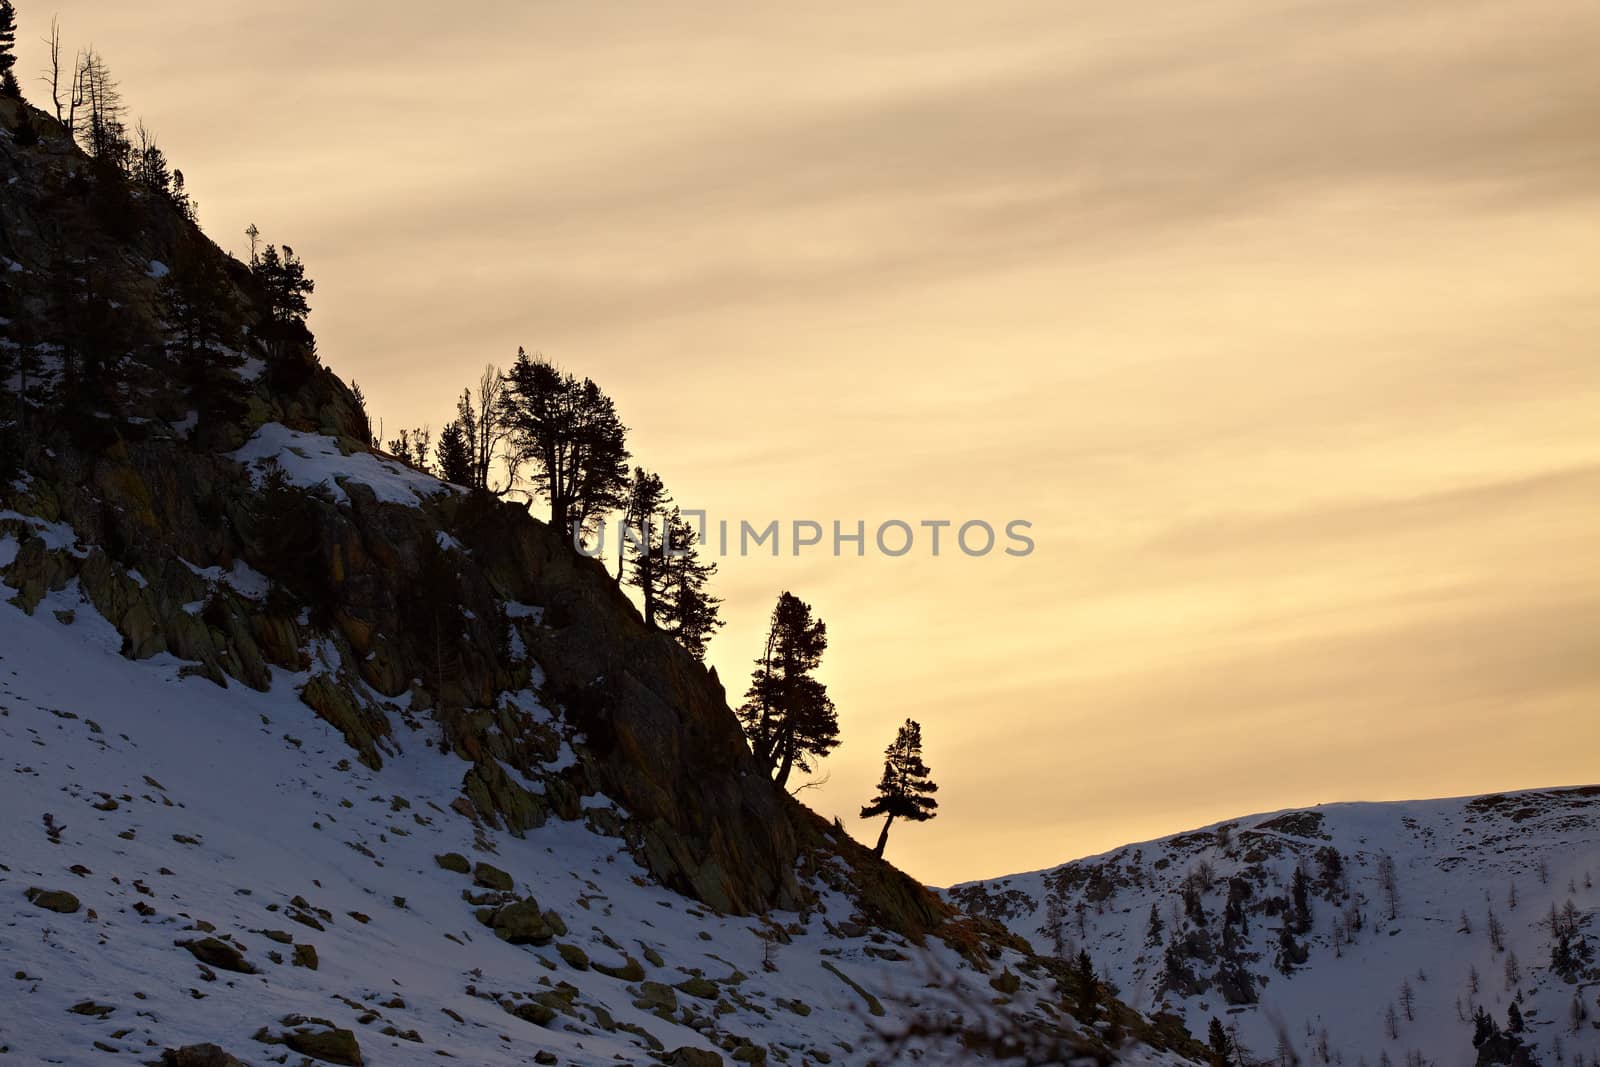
point(1278, 320)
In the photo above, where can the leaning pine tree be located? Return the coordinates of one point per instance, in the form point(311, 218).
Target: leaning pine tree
point(903, 792)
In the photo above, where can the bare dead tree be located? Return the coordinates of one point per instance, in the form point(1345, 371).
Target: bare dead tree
point(492, 428)
point(76, 95)
point(53, 75)
point(1390, 884)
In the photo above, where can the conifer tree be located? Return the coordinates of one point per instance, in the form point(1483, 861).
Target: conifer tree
point(688, 612)
point(569, 431)
point(1300, 895)
point(93, 330)
point(363, 417)
point(905, 788)
point(198, 305)
point(414, 448)
point(1483, 1027)
point(646, 497)
point(1083, 971)
point(454, 455)
point(8, 50)
point(787, 715)
point(1218, 1045)
point(1153, 929)
point(284, 284)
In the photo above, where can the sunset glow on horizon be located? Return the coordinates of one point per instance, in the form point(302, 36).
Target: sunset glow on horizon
point(1278, 323)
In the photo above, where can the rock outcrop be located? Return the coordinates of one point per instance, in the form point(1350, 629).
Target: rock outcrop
point(358, 596)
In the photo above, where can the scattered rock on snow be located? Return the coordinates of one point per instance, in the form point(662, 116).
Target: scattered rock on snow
point(57, 900)
point(218, 953)
point(492, 877)
point(199, 1056)
point(522, 923)
point(453, 861)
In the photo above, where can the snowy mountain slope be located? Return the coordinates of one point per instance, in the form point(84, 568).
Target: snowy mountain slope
point(173, 810)
point(1517, 868)
point(270, 697)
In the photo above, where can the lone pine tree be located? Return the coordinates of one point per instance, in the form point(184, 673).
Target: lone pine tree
point(787, 715)
point(903, 791)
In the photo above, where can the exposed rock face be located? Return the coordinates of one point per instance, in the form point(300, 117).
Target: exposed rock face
point(359, 589)
point(661, 740)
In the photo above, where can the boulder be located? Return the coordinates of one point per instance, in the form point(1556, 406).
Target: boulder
point(199, 1056)
point(655, 996)
point(574, 956)
point(214, 952)
point(329, 1046)
point(522, 923)
point(56, 900)
point(630, 971)
point(492, 877)
point(701, 988)
point(454, 862)
point(534, 1012)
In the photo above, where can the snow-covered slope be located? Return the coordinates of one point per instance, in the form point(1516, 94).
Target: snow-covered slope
point(1519, 869)
point(172, 810)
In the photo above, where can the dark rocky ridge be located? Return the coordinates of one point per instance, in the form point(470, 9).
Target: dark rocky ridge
point(145, 499)
point(358, 586)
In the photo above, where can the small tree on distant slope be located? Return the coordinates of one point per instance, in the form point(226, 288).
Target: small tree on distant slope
point(904, 791)
point(1219, 1048)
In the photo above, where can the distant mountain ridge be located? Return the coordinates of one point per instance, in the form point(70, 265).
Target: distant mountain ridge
point(1384, 951)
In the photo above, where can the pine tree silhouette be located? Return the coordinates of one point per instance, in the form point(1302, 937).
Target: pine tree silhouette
point(905, 788)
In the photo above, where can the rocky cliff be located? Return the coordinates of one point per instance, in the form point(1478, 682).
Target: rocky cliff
point(159, 508)
point(230, 526)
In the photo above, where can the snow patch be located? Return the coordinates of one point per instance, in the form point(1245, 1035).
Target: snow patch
point(310, 459)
